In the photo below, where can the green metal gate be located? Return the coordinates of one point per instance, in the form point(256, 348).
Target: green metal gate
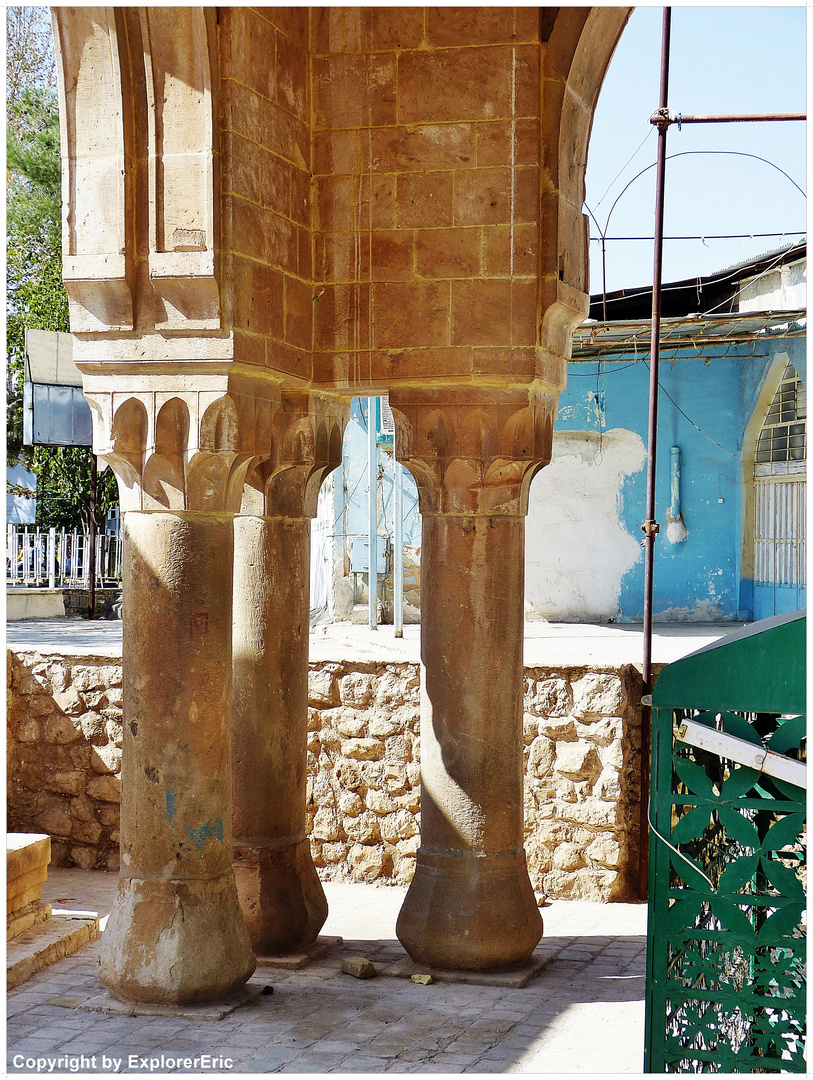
point(726, 944)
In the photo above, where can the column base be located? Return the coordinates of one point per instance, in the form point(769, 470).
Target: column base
point(281, 896)
point(470, 912)
point(175, 942)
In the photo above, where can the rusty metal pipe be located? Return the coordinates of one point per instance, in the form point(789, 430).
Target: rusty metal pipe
point(650, 526)
point(736, 118)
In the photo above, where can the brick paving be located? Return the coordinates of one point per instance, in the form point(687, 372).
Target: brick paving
point(583, 1013)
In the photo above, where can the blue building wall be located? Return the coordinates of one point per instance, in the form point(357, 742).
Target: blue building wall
point(705, 404)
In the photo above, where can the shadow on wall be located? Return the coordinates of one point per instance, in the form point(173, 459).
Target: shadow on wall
point(64, 755)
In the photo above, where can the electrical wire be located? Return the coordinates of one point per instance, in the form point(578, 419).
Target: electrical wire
point(708, 236)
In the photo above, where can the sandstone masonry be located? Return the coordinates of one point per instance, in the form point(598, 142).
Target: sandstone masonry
point(581, 749)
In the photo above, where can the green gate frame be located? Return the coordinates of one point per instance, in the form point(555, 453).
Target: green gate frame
point(726, 946)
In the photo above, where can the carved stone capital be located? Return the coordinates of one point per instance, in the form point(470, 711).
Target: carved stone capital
point(177, 448)
point(306, 445)
point(474, 450)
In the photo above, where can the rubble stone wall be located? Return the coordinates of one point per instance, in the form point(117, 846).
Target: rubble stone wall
point(581, 732)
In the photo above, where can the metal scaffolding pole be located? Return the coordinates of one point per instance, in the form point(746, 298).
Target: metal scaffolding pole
point(372, 506)
point(398, 555)
point(662, 120)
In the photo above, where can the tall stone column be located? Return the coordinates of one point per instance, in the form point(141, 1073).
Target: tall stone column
point(473, 454)
point(176, 934)
point(280, 893)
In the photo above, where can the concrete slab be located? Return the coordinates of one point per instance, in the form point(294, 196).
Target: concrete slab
point(106, 1003)
point(546, 644)
point(296, 961)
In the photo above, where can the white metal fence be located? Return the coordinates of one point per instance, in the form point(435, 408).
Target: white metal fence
point(59, 559)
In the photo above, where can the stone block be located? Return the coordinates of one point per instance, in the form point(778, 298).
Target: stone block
point(54, 821)
point(60, 730)
point(364, 829)
point(89, 832)
point(399, 826)
point(70, 701)
point(568, 857)
point(28, 730)
point(351, 723)
point(541, 756)
point(363, 749)
point(604, 850)
point(84, 857)
point(41, 705)
point(578, 761)
point(356, 690)
point(26, 852)
point(325, 825)
point(351, 804)
point(105, 788)
point(382, 725)
point(67, 782)
point(380, 802)
point(358, 967)
point(601, 693)
point(369, 862)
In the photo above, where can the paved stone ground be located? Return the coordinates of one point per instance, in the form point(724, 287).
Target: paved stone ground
point(583, 1013)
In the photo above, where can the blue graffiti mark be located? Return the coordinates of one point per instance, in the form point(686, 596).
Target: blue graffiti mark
point(170, 805)
point(206, 832)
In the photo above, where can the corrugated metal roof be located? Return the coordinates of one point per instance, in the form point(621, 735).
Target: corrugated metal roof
point(594, 340)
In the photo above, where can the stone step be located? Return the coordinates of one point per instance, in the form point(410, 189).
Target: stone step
point(64, 934)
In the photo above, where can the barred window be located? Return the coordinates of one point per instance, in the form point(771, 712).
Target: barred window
point(784, 433)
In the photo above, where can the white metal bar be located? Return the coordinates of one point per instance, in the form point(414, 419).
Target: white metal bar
point(744, 753)
point(372, 506)
point(398, 540)
point(52, 558)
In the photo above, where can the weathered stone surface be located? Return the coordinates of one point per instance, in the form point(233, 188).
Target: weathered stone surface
point(600, 693)
point(70, 701)
point(363, 749)
point(356, 689)
point(106, 788)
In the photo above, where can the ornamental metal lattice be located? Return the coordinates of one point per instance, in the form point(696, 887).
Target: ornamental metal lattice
point(726, 985)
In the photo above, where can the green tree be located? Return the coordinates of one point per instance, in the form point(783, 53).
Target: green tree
point(35, 294)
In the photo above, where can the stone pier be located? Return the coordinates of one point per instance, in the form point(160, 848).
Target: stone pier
point(263, 209)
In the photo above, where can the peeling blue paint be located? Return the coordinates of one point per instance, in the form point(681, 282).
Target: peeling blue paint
point(170, 805)
point(207, 831)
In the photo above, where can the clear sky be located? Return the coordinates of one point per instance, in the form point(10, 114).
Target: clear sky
point(723, 60)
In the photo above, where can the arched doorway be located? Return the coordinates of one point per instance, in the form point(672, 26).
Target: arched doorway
point(779, 481)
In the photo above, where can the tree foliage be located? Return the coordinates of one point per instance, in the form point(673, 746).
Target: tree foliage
point(35, 295)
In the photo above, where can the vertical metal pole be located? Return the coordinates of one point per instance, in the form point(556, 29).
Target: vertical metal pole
point(650, 526)
point(52, 558)
point(398, 561)
point(92, 540)
point(372, 465)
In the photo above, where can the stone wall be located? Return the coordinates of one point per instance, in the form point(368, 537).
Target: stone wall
point(582, 767)
point(64, 754)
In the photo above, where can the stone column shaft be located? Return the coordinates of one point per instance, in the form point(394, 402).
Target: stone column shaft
point(176, 934)
point(280, 894)
point(471, 904)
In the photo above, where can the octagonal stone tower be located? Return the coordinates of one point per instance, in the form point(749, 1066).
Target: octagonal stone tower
point(266, 212)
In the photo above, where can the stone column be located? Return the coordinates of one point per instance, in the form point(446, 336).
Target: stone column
point(176, 934)
point(471, 904)
point(281, 896)
point(280, 893)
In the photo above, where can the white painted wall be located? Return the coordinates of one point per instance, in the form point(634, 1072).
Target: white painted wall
point(782, 289)
point(577, 549)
